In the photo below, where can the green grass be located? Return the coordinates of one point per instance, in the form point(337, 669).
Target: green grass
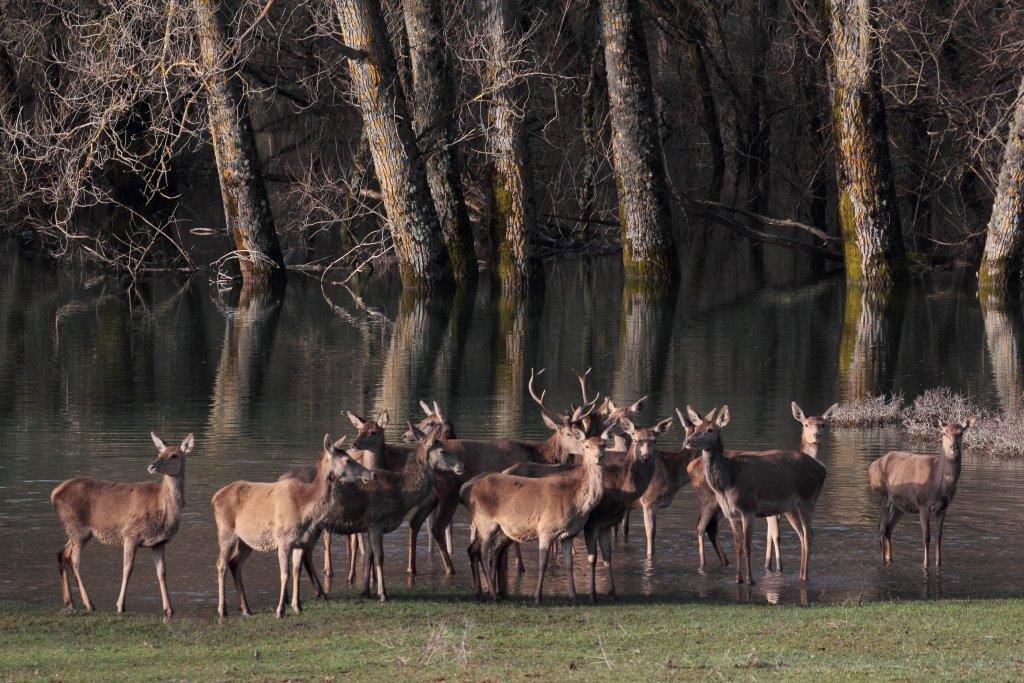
point(427, 636)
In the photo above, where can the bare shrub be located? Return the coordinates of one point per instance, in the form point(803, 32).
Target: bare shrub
point(870, 411)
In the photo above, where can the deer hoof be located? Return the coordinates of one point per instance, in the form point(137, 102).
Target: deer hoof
point(168, 612)
point(279, 613)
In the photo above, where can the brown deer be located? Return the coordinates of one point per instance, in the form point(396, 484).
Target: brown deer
point(379, 507)
point(285, 515)
point(505, 508)
point(924, 483)
point(758, 484)
point(130, 515)
point(810, 435)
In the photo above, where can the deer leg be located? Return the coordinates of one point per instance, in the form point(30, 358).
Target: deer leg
point(376, 540)
point(307, 563)
point(625, 527)
point(352, 543)
point(940, 518)
point(449, 540)
point(736, 526)
point(296, 578)
point(76, 564)
point(328, 567)
point(890, 515)
point(235, 561)
point(501, 571)
point(570, 578)
point(419, 516)
point(543, 546)
point(367, 567)
point(62, 568)
point(806, 538)
point(605, 539)
point(712, 531)
point(925, 515)
point(282, 564)
point(520, 566)
point(748, 528)
point(161, 578)
point(590, 538)
point(226, 544)
point(441, 530)
point(651, 527)
point(771, 544)
point(127, 564)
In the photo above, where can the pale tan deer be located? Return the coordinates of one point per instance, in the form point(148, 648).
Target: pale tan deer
point(757, 484)
point(924, 483)
point(379, 507)
point(810, 436)
point(130, 515)
point(284, 516)
point(505, 508)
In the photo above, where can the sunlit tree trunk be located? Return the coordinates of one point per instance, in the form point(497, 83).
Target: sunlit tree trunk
point(435, 122)
point(648, 247)
point(422, 260)
point(409, 366)
point(869, 343)
point(868, 214)
point(513, 213)
point(246, 209)
point(1004, 331)
point(1001, 261)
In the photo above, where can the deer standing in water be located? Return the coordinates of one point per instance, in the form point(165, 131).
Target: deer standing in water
point(286, 515)
point(924, 483)
point(130, 515)
point(757, 484)
point(810, 436)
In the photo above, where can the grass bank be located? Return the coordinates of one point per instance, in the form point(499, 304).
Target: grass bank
point(422, 636)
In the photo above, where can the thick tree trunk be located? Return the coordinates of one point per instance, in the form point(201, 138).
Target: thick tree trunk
point(513, 213)
point(434, 119)
point(587, 192)
point(868, 214)
point(1001, 261)
point(412, 219)
point(648, 246)
point(246, 209)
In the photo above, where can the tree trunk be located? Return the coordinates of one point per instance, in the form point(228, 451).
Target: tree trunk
point(1001, 261)
point(412, 219)
point(433, 111)
point(709, 119)
point(869, 343)
point(868, 214)
point(246, 209)
point(513, 213)
point(587, 192)
point(648, 246)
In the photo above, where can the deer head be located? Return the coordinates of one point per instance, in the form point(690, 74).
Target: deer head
point(813, 426)
point(684, 420)
point(952, 435)
point(591, 448)
point(170, 460)
point(431, 451)
point(643, 439)
point(371, 432)
point(707, 431)
point(563, 424)
point(341, 467)
point(435, 421)
point(614, 416)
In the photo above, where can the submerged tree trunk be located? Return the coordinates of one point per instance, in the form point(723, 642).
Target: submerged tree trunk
point(246, 209)
point(1001, 262)
point(412, 219)
point(868, 214)
point(436, 125)
point(648, 248)
point(513, 214)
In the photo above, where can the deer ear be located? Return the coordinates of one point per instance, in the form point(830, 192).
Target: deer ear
point(936, 422)
point(628, 425)
point(694, 417)
point(609, 405)
point(187, 443)
point(663, 426)
point(414, 430)
point(328, 446)
point(426, 408)
point(606, 434)
point(683, 420)
point(635, 408)
point(437, 411)
point(798, 414)
point(157, 442)
point(549, 422)
point(723, 417)
point(968, 423)
point(831, 409)
point(579, 434)
point(710, 417)
point(339, 445)
point(382, 419)
point(356, 421)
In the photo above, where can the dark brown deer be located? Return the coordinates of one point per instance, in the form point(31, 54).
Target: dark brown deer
point(130, 515)
point(286, 516)
point(924, 483)
point(810, 436)
point(505, 508)
point(761, 484)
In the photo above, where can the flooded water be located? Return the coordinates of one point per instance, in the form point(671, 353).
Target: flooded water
point(87, 370)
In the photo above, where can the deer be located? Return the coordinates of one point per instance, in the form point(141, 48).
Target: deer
point(286, 515)
point(810, 435)
point(379, 507)
point(506, 508)
point(924, 483)
point(145, 514)
point(761, 484)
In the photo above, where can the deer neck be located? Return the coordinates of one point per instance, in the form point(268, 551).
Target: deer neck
point(810, 449)
point(638, 472)
point(417, 480)
point(551, 450)
point(174, 492)
point(716, 469)
point(319, 493)
point(371, 459)
point(590, 492)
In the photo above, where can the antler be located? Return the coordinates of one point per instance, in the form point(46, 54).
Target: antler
point(539, 400)
point(583, 385)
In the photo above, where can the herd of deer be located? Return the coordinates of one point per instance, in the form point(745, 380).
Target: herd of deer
point(585, 478)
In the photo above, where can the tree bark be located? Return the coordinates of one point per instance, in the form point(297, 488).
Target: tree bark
point(247, 213)
point(709, 118)
point(648, 247)
point(869, 344)
point(587, 192)
point(868, 214)
point(1001, 261)
point(513, 212)
point(422, 260)
point(436, 127)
